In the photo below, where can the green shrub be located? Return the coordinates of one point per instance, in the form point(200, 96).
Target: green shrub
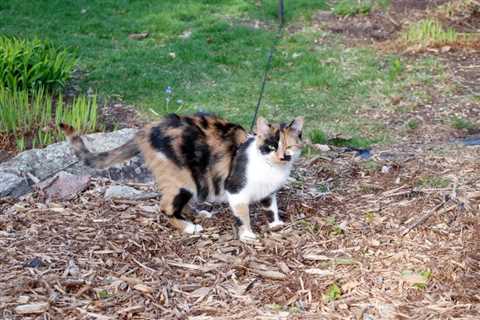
point(30, 64)
point(24, 115)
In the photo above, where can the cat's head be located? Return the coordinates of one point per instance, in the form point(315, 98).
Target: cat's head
point(280, 143)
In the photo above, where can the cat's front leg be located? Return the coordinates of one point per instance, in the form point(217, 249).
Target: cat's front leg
point(270, 205)
point(242, 221)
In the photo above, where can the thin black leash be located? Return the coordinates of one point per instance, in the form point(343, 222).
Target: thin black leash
point(281, 15)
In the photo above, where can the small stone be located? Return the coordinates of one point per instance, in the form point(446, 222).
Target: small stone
point(445, 49)
point(186, 34)
point(32, 308)
point(322, 147)
point(34, 263)
point(126, 192)
point(149, 209)
point(386, 169)
point(138, 36)
point(64, 186)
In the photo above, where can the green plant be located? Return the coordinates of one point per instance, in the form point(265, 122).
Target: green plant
point(413, 124)
point(433, 182)
point(30, 64)
point(395, 68)
point(369, 216)
point(333, 293)
point(25, 115)
point(462, 123)
point(429, 32)
point(318, 136)
point(353, 7)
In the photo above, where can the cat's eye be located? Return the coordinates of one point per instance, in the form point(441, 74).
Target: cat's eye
point(271, 148)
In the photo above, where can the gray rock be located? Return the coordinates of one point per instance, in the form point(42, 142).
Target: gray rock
point(126, 192)
point(64, 186)
point(46, 162)
point(12, 185)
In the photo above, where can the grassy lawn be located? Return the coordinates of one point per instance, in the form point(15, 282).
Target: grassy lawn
point(212, 56)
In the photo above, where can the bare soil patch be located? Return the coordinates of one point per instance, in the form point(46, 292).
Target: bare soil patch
point(380, 25)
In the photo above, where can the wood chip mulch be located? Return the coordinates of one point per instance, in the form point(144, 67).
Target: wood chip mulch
point(399, 239)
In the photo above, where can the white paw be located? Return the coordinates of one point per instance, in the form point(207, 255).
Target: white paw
point(247, 236)
point(205, 213)
point(192, 228)
point(276, 224)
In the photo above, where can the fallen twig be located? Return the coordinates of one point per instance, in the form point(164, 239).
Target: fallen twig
point(423, 218)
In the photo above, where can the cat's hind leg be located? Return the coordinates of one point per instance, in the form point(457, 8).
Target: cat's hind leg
point(270, 205)
point(172, 204)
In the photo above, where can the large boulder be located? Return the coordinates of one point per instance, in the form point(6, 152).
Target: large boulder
point(18, 173)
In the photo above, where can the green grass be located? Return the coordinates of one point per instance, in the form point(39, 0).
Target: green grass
point(429, 32)
point(433, 182)
point(26, 114)
point(355, 7)
point(213, 59)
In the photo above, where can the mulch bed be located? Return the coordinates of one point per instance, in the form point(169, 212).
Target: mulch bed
point(369, 229)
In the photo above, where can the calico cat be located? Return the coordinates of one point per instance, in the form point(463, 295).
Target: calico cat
point(205, 158)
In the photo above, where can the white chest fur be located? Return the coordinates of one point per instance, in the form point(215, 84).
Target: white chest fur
point(263, 177)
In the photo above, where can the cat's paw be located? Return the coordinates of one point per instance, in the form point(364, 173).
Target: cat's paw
point(275, 225)
point(247, 236)
point(192, 228)
point(206, 214)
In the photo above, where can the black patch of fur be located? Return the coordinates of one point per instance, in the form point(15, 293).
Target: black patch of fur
point(238, 222)
point(266, 202)
point(237, 178)
point(226, 130)
point(172, 121)
point(204, 122)
point(216, 181)
point(270, 142)
point(180, 200)
point(270, 216)
point(163, 143)
point(189, 121)
point(196, 154)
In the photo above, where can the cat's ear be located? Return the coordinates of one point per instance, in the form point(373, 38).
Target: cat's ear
point(262, 127)
point(297, 125)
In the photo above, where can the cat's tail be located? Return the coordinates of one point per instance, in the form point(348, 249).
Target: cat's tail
point(102, 159)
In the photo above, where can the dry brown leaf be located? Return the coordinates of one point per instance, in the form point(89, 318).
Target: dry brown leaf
point(200, 292)
point(271, 274)
point(143, 288)
point(132, 309)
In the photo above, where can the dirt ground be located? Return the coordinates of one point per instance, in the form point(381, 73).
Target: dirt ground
point(397, 234)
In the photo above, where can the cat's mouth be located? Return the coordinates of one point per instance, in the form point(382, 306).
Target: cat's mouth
point(286, 158)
